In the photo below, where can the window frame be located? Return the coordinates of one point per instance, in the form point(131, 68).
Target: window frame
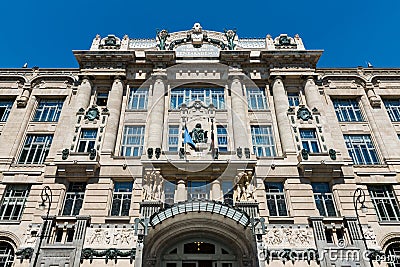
point(355, 148)
point(173, 138)
point(276, 196)
point(31, 144)
point(8, 256)
point(347, 110)
point(321, 197)
point(140, 96)
point(14, 199)
point(263, 147)
point(393, 110)
point(208, 95)
point(75, 195)
point(205, 191)
point(121, 196)
point(132, 147)
point(47, 107)
point(89, 142)
point(254, 96)
point(223, 146)
point(293, 99)
point(7, 105)
point(389, 197)
point(310, 142)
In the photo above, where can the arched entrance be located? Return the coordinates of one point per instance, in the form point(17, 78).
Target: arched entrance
point(200, 239)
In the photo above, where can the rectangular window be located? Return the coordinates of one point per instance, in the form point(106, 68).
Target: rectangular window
point(393, 109)
point(205, 95)
point(227, 190)
point(121, 199)
point(293, 99)
point(173, 138)
point(263, 141)
point(222, 137)
point(198, 190)
point(309, 140)
point(74, 199)
point(138, 98)
point(169, 192)
point(132, 142)
point(256, 99)
point(385, 202)
point(347, 110)
point(324, 199)
point(361, 149)
point(35, 149)
point(13, 203)
point(102, 99)
point(275, 199)
point(5, 108)
point(87, 140)
point(48, 110)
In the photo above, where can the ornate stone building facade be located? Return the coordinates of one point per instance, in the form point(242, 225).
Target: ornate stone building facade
point(199, 149)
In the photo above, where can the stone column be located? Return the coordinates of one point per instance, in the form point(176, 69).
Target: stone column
point(281, 107)
point(83, 94)
point(216, 190)
point(181, 193)
point(155, 123)
point(312, 94)
point(114, 106)
point(239, 114)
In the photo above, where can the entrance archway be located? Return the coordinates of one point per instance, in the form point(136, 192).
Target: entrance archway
point(221, 242)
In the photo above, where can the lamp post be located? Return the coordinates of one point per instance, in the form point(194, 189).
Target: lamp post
point(47, 196)
point(359, 198)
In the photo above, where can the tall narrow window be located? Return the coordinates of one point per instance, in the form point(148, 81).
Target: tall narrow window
point(263, 141)
point(347, 110)
point(5, 108)
point(13, 203)
point(6, 254)
point(227, 190)
point(256, 99)
point(173, 138)
point(35, 149)
point(385, 202)
point(132, 141)
point(169, 192)
point(309, 140)
point(275, 199)
point(222, 137)
point(87, 140)
point(48, 110)
point(361, 149)
point(138, 98)
point(74, 199)
point(205, 95)
point(293, 99)
point(393, 109)
point(102, 99)
point(324, 199)
point(198, 190)
point(121, 199)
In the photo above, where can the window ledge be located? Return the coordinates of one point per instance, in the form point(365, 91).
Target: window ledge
point(259, 110)
point(136, 110)
point(10, 222)
point(117, 219)
point(389, 222)
point(281, 219)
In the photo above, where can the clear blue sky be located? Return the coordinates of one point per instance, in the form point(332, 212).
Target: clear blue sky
point(43, 33)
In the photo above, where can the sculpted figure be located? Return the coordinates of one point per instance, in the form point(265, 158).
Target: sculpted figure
point(198, 134)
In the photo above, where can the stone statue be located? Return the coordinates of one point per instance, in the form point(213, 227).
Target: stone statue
point(152, 186)
point(244, 189)
point(162, 38)
point(198, 134)
point(230, 37)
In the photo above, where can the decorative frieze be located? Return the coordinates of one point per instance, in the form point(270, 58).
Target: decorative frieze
point(99, 237)
point(285, 236)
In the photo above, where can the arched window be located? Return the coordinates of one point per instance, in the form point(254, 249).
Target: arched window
point(6, 254)
point(393, 255)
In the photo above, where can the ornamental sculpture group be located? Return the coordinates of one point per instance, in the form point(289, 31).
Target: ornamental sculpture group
point(244, 189)
point(152, 186)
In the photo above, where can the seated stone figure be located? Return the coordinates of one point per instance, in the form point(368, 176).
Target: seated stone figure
point(198, 134)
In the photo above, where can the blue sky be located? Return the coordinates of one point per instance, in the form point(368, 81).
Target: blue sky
point(44, 33)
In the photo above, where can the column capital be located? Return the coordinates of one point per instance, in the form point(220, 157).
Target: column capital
point(235, 74)
point(159, 74)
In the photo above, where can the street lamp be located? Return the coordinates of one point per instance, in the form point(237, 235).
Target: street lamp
point(47, 196)
point(359, 198)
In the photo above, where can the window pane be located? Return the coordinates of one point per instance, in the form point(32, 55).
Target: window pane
point(132, 143)
point(48, 110)
point(262, 139)
point(347, 110)
point(35, 149)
